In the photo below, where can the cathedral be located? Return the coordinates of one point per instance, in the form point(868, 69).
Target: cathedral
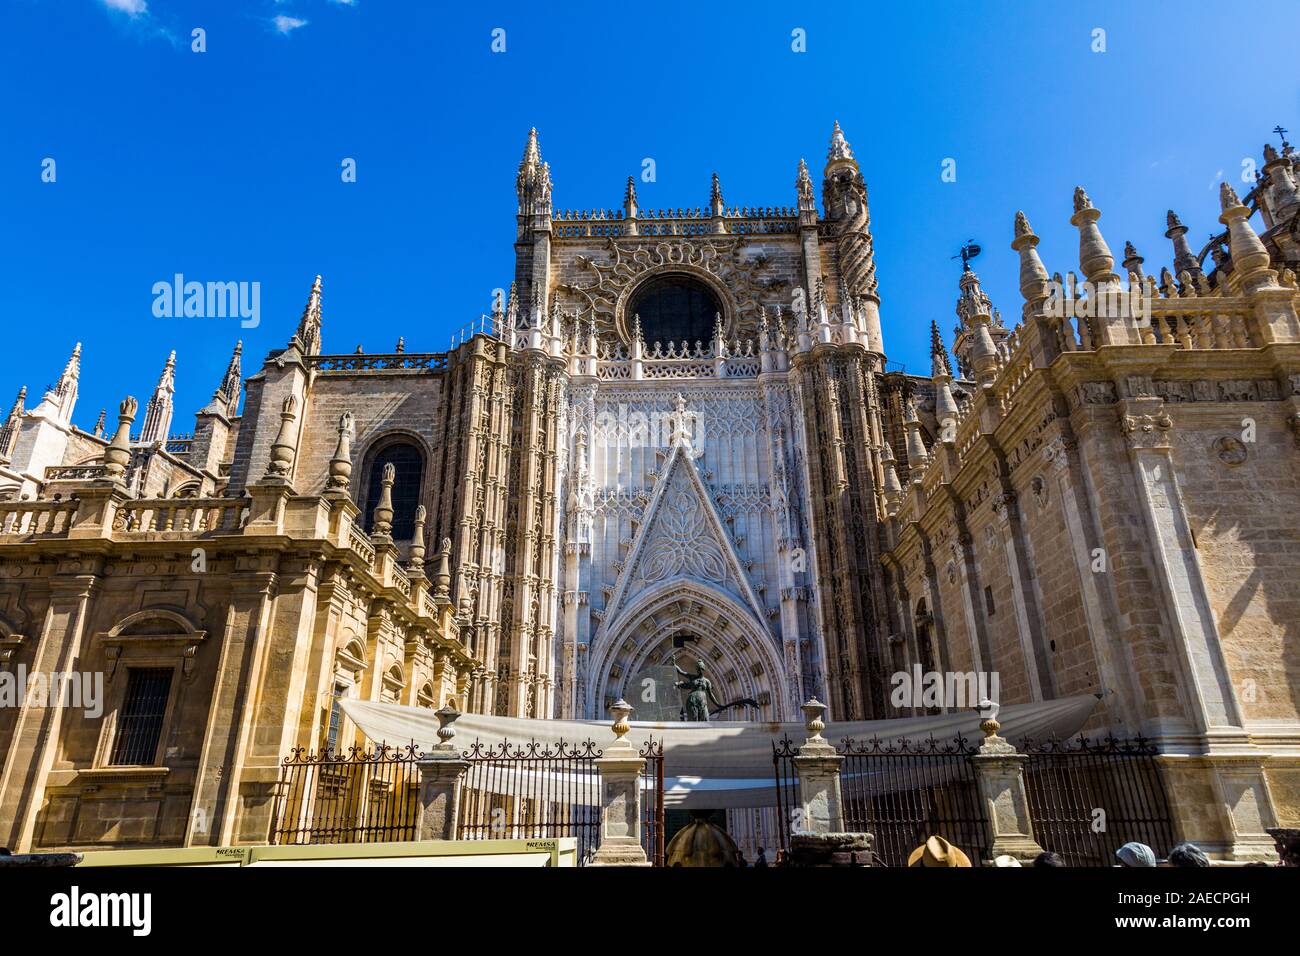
point(678, 441)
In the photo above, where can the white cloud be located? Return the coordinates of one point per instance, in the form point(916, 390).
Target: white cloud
point(134, 8)
point(286, 25)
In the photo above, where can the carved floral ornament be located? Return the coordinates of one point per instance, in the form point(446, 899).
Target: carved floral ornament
point(716, 261)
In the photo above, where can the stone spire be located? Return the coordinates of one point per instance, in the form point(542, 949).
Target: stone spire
point(1250, 260)
point(533, 186)
point(839, 150)
point(99, 423)
point(917, 456)
point(892, 487)
point(1281, 195)
point(60, 400)
point(945, 406)
point(630, 208)
point(1095, 258)
point(1132, 261)
point(158, 413)
point(844, 203)
point(804, 188)
point(1184, 259)
point(1033, 274)
point(307, 337)
point(225, 400)
point(13, 423)
point(717, 210)
point(974, 346)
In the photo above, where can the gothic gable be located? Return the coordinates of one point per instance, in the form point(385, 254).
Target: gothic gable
point(682, 536)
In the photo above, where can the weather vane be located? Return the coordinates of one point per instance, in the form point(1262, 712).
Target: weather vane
point(968, 252)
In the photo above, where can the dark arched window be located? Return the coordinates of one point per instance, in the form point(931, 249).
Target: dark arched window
point(408, 465)
point(675, 308)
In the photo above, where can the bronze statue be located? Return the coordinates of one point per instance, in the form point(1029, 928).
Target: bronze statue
point(700, 693)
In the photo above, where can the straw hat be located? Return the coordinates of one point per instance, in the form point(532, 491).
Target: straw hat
point(1005, 859)
point(936, 851)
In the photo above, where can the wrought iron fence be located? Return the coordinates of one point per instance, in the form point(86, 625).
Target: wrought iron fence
point(907, 790)
point(652, 801)
point(901, 791)
point(367, 796)
point(532, 791)
point(1087, 798)
point(510, 791)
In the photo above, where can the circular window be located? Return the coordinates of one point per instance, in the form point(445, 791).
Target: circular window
point(675, 308)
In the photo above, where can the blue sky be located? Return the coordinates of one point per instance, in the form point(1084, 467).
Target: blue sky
point(225, 165)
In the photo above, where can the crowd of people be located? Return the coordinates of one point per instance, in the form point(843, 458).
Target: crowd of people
point(938, 852)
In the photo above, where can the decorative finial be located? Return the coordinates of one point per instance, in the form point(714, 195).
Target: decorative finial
point(416, 557)
point(118, 454)
point(383, 517)
point(1023, 228)
point(840, 149)
point(1081, 200)
point(282, 451)
point(621, 710)
point(442, 577)
point(813, 712)
point(340, 469)
point(1227, 197)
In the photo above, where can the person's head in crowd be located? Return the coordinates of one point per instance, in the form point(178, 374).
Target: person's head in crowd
point(938, 852)
point(1135, 855)
point(1188, 854)
point(1048, 858)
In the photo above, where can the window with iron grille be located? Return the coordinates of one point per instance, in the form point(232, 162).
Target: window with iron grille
point(140, 722)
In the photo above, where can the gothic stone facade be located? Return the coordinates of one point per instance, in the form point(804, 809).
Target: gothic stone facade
point(679, 436)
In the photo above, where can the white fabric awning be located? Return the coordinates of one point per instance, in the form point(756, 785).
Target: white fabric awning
point(719, 764)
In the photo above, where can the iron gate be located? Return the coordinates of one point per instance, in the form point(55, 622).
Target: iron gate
point(368, 796)
point(1088, 798)
point(901, 792)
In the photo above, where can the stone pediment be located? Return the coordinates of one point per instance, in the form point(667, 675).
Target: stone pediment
point(682, 536)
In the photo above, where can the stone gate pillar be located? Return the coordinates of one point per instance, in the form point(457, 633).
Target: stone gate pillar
point(620, 797)
point(818, 767)
point(442, 774)
point(1000, 779)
